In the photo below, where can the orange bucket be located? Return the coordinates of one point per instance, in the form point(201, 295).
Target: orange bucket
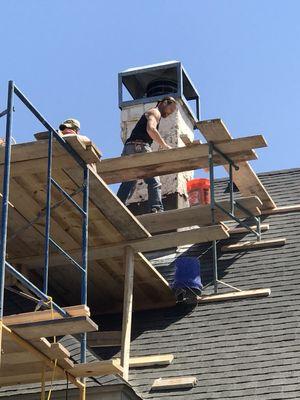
point(198, 191)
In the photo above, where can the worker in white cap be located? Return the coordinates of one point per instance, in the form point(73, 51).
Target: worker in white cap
point(70, 126)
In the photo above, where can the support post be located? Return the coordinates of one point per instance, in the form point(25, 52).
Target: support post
point(85, 217)
point(213, 209)
point(231, 189)
point(48, 215)
point(127, 310)
point(5, 193)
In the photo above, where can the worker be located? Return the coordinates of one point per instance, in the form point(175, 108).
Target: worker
point(71, 127)
point(140, 141)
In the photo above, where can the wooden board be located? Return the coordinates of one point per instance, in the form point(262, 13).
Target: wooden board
point(46, 315)
point(186, 382)
point(56, 327)
point(282, 210)
point(243, 294)
point(244, 246)
point(88, 151)
point(168, 240)
point(37, 360)
point(97, 368)
point(153, 243)
point(110, 222)
point(240, 230)
point(196, 215)
point(245, 178)
point(25, 365)
point(31, 372)
point(175, 160)
point(150, 361)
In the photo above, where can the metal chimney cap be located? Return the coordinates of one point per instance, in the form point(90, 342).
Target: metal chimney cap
point(136, 81)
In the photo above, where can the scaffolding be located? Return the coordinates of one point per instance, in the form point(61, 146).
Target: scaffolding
point(231, 213)
point(4, 265)
point(117, 239)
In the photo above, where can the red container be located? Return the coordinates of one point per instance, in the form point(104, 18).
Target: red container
point(198, 191)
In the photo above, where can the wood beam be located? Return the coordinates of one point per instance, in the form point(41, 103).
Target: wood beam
point(240, 230)
point(38, 316)
point(127, 310)
point(245, 178)
point(178, 159)
point(32, 378)
point(150, 361)
point(234, 295)
point(196, 215)
point(259, 244)
point(88, 151)
point(281, 210)
point(165, 241)
point(110, 205)
point(185, 382)
point(57, 327)
point(153, 243)
point(105, 367)
point(14, 337)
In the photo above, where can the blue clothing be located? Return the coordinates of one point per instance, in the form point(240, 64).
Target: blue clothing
point(154, 185)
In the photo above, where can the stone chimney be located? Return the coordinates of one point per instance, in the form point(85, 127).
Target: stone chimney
point(145, 86)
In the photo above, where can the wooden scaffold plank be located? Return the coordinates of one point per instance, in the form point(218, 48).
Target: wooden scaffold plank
point(196, 215)
point(153, 243)
point(179, 159)
point(258, 244)
point(185, 382)
point(245, 178)
point(56, 327)
point(150, 361)
point(97, 368)
point(45, 315)
point(27, 376)
point(243, 294)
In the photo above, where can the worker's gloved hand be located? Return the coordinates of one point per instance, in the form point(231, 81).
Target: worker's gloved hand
point(166, 147)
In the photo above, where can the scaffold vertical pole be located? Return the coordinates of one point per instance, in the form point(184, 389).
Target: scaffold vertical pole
point(5, 192)
point(85, 217)
point(231, 188)
point(48, 214)
point(213, 209)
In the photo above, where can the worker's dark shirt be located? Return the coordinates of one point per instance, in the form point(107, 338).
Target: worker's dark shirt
point(139, 132)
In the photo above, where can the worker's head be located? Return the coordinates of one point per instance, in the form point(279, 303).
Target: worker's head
point(70, 125)
point(167, 106)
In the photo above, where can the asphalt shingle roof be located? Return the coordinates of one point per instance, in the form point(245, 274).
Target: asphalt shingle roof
point(245, 349)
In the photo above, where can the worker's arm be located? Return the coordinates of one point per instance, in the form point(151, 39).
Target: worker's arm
point(153, 118)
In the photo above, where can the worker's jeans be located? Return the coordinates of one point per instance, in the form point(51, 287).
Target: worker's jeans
point(154, 186)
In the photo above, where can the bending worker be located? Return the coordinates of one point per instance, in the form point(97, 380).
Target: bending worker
point(140, 140)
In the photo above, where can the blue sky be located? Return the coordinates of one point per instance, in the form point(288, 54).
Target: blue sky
point(243, 57)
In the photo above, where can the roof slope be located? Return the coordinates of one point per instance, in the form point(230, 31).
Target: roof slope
point(246, 349)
